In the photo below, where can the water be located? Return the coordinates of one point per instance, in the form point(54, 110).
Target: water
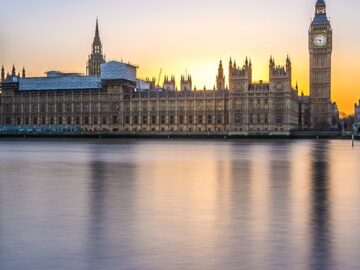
point(144, 204)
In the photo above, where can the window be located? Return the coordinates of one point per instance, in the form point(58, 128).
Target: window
point(60, 120)
point(8, 121)
point(114, 120)
point(172, 119)
point(209, 120)
point(162, 119)
point(52, 121)
point(145, 120)
point(127, 120)
point(42, 107)
point(104, 120)
point(136, 119)
point(59, 107)
point(68, 120)
point(18, 121)
point(153, 119)
point(95, 120)
point(190, 119)
point(238, 118)
point(35, 121)
point(86, 120)
point(200, 119)
point(77, 120)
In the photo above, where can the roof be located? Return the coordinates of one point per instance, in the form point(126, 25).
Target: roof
point(114, 70)
point(320, 19)
point(320, 3)
point(60, 83)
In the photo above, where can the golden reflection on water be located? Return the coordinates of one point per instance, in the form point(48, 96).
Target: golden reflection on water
point(179, 205)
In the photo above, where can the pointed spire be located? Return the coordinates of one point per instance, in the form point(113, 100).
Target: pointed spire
point(288, 59)
point(13, 72)
point(2, 74)
point(96, 58)
point(97, 34)
point(320, 7)
point(320, 3)
point(23, 72)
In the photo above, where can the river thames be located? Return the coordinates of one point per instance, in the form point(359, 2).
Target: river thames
point(179, 204)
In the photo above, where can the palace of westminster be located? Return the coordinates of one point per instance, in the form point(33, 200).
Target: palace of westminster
point(111, 98)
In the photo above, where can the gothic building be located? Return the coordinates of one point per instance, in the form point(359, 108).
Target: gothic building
point(262, 107)
point(111, 97)
point(320, 49)
point(96, 58)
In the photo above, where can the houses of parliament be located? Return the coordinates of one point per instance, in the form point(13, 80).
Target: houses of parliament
point(111, 97)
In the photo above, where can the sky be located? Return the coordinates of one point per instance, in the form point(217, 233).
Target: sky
point(181, 37)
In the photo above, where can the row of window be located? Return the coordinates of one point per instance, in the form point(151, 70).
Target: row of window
point(114, 120)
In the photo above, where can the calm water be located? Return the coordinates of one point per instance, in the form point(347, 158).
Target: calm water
point(179, 205)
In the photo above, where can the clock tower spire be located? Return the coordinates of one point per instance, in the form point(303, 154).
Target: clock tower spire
point(320, 50)
point(96, 58)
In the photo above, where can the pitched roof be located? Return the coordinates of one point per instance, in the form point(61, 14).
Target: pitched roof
point(60, 83)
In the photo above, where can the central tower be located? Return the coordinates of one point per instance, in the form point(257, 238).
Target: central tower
point(96, 57)
point(320, 49)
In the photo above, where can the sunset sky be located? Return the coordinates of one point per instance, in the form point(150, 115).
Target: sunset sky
point(181, 36)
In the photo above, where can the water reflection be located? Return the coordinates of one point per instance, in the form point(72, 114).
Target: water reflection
point(321, 232)
point(179, 205)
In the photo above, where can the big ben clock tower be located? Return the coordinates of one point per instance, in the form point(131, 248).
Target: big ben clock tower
point(320, 49)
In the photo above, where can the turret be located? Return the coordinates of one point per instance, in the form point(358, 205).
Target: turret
point(220, 78)
point(2, 74)
point(186, 83)
point(23, 72)
point(280, 74)
point(13, 72)
point(240, 78)
point(169, 84)
point(288, 67)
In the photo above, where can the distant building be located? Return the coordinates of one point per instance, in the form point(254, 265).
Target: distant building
point(357, 112)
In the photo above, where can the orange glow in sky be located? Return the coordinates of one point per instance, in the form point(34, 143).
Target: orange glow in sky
point(181, 37)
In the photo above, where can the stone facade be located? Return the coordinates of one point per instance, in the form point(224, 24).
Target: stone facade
point(107, 104)
point(262, 107)
point(111, 98)
point(320, 49)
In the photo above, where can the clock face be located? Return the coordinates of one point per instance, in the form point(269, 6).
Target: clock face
point(320, 40)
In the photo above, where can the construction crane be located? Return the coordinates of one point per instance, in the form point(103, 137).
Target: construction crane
point(158, 83)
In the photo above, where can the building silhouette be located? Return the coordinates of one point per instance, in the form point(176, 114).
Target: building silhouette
point(111, 97)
